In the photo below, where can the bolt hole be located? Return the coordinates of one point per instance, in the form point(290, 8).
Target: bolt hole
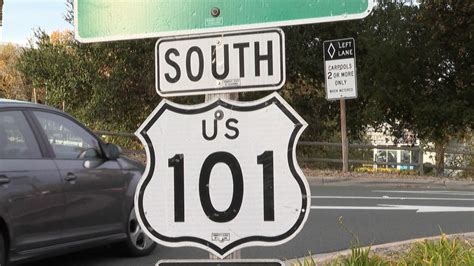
point(215, 12)
point(219, 115)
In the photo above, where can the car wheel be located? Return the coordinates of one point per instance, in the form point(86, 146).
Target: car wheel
point(3, 255)
point(138, 243)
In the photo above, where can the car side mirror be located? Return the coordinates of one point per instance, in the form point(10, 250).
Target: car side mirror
point(89, 153)
point(112, 151)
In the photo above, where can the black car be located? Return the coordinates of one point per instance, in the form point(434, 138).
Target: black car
point(61, 187)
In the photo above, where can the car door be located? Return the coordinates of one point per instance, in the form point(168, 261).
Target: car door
point(31, 192)
point(94, 187)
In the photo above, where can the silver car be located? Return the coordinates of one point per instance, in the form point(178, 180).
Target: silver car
point(62, 188)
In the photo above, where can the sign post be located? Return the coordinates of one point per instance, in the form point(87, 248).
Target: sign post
point(341, 82)
point(344, 142)
point(209, 98)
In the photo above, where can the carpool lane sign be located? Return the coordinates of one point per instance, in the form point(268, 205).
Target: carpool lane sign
point(340, 69)
point(220, 63)
point(108, 20)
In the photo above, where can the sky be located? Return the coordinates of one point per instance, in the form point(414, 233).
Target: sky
point(22, 17)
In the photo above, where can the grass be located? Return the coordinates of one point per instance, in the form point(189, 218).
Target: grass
point(442, 252)
point(359, 256)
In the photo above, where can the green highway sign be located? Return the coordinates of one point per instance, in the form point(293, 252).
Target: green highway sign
point(107, 20)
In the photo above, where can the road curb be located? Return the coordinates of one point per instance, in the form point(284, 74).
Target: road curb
point(391, 182)
point(323, 259)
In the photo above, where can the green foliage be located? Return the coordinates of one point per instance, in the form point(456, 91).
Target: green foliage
point(361, 257)
point(358, 257)
point(412, 75)
point(441, 252)
point(446, 77)
point(414, 67)
point(11, 82)
point(306, 261)
point(417, 70)
point(109, 86)
point(305, 89)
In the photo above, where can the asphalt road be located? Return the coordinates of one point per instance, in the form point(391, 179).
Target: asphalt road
point(340, 215)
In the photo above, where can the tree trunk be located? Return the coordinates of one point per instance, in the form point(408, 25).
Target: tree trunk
point(440, 149)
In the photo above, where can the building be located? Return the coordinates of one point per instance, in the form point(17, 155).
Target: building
point(400, 154)
point(406, 154)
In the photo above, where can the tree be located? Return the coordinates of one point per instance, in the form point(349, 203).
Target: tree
point(421, 69)
point(109, 86)
point(414, 67)
point(447, 28)
point(414, 71)
point(11, 82)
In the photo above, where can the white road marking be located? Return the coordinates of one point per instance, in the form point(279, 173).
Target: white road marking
point(350, 208)
point(423, 209)
point(418, 209)
point(432, 192)
point(391, 198)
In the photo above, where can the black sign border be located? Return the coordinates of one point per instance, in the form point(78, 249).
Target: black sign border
point(290, 153)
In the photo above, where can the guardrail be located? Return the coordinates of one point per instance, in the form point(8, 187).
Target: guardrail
point(420, 150)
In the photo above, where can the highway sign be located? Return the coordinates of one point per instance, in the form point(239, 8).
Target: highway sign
point(220, 263)
point(340, 69)
point(222, 175)
point(220, 63)
point(107, 20)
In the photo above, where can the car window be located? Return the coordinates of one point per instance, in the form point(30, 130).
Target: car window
point(67, 138)
point(17, 140)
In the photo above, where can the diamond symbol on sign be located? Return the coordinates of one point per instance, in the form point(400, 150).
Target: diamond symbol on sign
point(331, 50)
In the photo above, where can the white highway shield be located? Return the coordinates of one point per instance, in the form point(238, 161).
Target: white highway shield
point(222, 175)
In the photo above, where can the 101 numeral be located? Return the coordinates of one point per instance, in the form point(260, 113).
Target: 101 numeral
point(265, 159)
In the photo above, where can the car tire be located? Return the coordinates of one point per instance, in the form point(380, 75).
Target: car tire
point(137, 244)
point(3, 252)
